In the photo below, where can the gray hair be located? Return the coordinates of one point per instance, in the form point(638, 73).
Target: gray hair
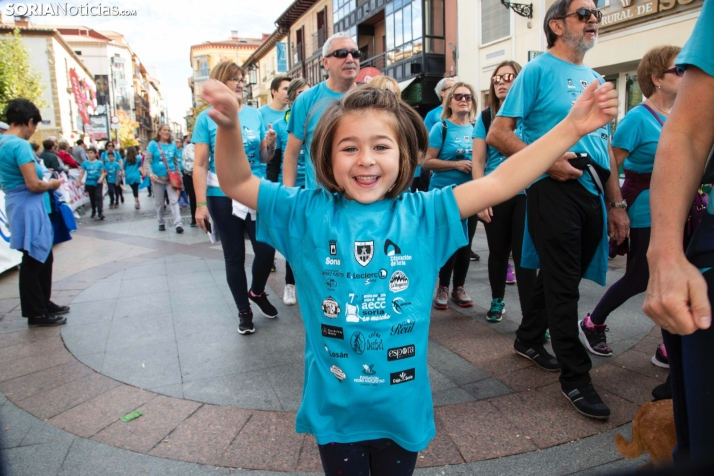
point(556, 11)
point(327, 47)
point(441, 85)
point(293, 87)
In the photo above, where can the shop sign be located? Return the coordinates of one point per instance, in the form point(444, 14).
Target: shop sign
point(630, 12)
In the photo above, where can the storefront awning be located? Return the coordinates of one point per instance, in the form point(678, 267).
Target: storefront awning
point(405, 84)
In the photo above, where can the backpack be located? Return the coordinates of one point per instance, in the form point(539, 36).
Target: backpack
point(444, 126)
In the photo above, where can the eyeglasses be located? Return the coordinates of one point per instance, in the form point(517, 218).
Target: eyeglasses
point(676, 70)
point(507, 78)
point(342, 53)
point(237, 80)
point(463, 97)
point(584, 14)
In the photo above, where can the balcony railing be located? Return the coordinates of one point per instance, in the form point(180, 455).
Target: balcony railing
point(318, 39)
point(379, 61)
point(298, 53)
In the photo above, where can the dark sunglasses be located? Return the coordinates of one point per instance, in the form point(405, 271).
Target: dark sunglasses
point(507, 78)
point(584, 14)
point(342, 53)
point(676, 70)
point(463, 97)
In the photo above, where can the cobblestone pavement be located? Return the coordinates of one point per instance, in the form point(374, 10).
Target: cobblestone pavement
point(153, 327)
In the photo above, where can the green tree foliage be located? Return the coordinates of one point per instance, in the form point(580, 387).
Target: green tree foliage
point(195, 111)
point(18, 79)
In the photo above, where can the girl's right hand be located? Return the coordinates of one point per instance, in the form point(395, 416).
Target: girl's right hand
point(595, 107)
point(485, 215)
point(223, 100)
point(201, 216)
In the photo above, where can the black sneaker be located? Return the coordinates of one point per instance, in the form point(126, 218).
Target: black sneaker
point(538, 355)
point(56, 309)
point(274, 268)
point(194, 224)
point(663, 391)
point(593, 336)
point(179, 230)
point(94, 213)
point(586, 400)
point(46, 320)
point(162, 227)
point(266, 309)
point(475, 257)
point(246, 322)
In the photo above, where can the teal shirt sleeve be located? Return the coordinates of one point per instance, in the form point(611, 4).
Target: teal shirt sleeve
point(627, 134)
point(200, 130)
point(435, 136)
point(522, 95)
point(298, 116)
point(480, 129)
point(698, 49)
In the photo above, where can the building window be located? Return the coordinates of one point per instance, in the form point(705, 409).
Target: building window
point(342, 8)
point(204, 68)
point(403, 22)
point(495, 21)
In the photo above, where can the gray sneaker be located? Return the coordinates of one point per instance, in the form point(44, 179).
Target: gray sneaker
point(441, 301)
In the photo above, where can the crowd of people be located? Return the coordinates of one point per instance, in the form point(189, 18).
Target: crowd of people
point(329, 174)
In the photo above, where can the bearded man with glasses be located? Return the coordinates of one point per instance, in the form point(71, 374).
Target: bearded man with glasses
point(567, 220)
point(340, 58)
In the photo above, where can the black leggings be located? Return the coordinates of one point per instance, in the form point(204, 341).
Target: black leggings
point(289, 277)
point(381, 457)
point(96, 197)
point(505, 234)
point(135, 189)
point(637, 274)
point(459, 261)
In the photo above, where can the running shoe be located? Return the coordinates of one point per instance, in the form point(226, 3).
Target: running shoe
point(261, 300)
point(510, 275)
point(441, 301)
point(498, 309)
point(162, 227)
point(593, 336)
point(546, 337)
point(289, 298)
point(94, 213)
point(586, 400)
point(194, 224)
point(660, 358)
point(245, 325)
point(458, 294)
point(46, 320)
point(538, 355)
point(56, 309)
point(475, 257)
point(179, 229)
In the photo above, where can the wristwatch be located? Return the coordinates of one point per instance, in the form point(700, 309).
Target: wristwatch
point(622, 204)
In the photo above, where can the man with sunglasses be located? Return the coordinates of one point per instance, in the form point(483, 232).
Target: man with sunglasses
point(340, 58)
point(567, 230)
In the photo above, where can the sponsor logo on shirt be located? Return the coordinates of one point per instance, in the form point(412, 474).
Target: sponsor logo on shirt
point(360, 343)
point(403, 352)
point(331, 284)
point(603, 136)
point(371, 277)
point(583, 83)
point(336, 355)
point(351, 313)
point(332, 332)
point(398, 304)
point(570, 84)
point(332, 261)
point(396, 257)
point(364, 250)
point(401, 377)
point(333, 247)
point(338, 373)
point(368, 376)
point(467, 138)
point(404, 327)
point(330, 308)
point(333, 273)
point(398, 282)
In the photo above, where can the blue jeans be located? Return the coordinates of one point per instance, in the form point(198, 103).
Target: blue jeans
point(232, 230)
point(691, 367)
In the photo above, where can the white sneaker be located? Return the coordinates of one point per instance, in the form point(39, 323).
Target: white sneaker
point(289, 295)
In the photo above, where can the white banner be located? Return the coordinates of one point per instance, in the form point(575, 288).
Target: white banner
point(8, 258)
point(72, 192)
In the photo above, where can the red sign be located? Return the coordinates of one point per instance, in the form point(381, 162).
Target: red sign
point(80, 100)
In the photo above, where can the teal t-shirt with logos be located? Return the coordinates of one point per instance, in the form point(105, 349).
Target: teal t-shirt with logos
point(456, 146)
point(304, 116)
point(542, 95)
point(157, 159)
point(93, 169)
point(112, 171)
point(281, 142)
point(365, 277)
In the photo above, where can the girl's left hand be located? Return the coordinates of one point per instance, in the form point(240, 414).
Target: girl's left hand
point(595, 107)
point(223, 100)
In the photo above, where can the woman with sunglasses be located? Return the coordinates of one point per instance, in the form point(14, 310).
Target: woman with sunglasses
point(233, 220)
point(504, 223)
point(635, 143)
point(449, 156)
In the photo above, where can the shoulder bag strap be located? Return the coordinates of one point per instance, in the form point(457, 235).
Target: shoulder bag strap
point(656, 116)
point(163, 157)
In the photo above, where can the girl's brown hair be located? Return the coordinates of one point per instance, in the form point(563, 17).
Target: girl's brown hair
point(158, 133)
point(446, 113)
point(131, 155)
point(226, 70)
point(493, 102)
point(408, 126)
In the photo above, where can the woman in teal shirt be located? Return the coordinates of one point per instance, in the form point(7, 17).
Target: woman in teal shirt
point(26, 206)
point(449, 156)
point(635, 143)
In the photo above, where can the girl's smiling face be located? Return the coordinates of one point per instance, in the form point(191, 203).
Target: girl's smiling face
point(365, 155)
